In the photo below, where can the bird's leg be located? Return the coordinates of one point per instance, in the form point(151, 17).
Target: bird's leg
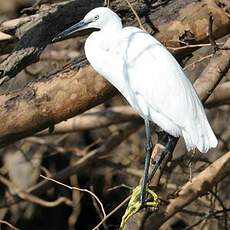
point(148, 152)
point(168, 143)
point(157, 164)
point(140, 193)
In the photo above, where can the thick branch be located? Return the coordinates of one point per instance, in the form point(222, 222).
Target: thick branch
point(48, 101)
point(220, 96)
point(36, 34)
point(199, 186)
point(213, 73)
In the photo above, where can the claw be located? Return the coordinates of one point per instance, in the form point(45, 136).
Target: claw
point(135, 205)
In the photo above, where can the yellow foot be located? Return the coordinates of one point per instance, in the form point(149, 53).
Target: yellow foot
point(135, 204)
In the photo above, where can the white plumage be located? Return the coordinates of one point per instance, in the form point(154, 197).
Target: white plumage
point(148, 76)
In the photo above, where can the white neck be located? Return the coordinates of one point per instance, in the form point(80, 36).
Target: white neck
point(111, 25)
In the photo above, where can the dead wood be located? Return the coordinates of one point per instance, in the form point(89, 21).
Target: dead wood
point(108, 145)
point(31, 198)
point(190, 23)
point(121, 114)
point(220, 96)
point(38, 32)
point(213, 73)
point(200, 185)
point(48, 101)
point(94, 120)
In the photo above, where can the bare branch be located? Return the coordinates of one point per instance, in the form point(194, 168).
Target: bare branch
point(94, 120)
point(199, 186)
point(48, 101)
point(36, 34)
point(31, 198)
point(78, 189)
point(213, 73)
point(114, 140)
point(220, 96)
point(8, 224)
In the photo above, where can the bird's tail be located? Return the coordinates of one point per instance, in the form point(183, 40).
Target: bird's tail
point(200, 134)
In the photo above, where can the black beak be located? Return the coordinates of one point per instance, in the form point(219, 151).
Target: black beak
point(66, 33)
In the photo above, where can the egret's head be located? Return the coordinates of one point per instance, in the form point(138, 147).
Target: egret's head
point(98, 18)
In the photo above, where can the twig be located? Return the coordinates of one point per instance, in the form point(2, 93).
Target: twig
point(224, 209)
point(190, 46)
point(205, 217)
point(119, 186)
point(198, 61)
point(54, 147)
point(32, 8)
point(136, 15)
point(9, 225)
point(78, 189)
point(31, 198)
point(114, 140)
point(107, 3)
point(98, 209)
point(76, 197)
point(159, 3)
point(112, 212)
point(210, 33)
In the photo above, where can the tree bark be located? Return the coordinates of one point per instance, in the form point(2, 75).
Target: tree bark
point(200, 185)
point(50, 100)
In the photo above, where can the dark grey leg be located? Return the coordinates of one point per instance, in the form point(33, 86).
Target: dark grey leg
point(169, 142)
point(148, 150)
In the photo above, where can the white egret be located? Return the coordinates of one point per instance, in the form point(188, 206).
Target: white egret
point(149, 77)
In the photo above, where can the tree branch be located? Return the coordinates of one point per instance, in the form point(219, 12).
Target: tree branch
point(38, 32)
point(48, 101)
point(199, 186)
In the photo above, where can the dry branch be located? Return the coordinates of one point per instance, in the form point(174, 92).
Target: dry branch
point(108, 145)
point(48, 101)
point(9, 225)
point(189, 24)
point(94, 120)
point(200, 185)
point(38, 32)
point(121, 114)
point(220, 96)
point(44, 103)
point(31, 198)
point(4, 37)
point(213, 73)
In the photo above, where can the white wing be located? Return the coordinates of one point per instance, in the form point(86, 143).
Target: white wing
point(155, 85)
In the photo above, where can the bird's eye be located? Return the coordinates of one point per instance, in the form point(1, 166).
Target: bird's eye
point(96, 17)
